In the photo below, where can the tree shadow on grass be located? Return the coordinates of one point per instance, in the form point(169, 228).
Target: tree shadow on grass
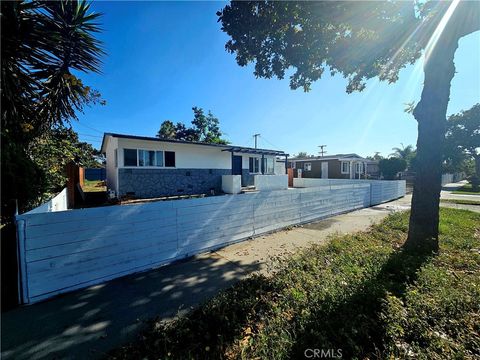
point(353, 324)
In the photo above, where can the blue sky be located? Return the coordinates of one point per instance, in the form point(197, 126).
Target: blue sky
point(165, 57)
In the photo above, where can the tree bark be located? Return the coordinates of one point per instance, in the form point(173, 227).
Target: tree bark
point(430, 113)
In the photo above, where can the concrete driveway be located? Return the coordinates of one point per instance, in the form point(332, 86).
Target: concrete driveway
point(87, 323)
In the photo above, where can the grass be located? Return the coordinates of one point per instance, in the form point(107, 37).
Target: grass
point(466, 189)
point(461, 201)
point(360, 293)
point(94, 186)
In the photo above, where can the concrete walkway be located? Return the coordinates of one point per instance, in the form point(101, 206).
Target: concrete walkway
point(448, 194)
point(87, 323)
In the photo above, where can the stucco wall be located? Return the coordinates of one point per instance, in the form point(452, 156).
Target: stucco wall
point(187, 156)
point(271, 182)
point(112, 173)
point(231, 184)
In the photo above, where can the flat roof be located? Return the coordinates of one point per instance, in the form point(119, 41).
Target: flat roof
point(231, 148)
point(329, 157)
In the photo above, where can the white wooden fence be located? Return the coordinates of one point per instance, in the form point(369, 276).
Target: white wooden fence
point(57, 203)
point(381, 190)
point(66, 250)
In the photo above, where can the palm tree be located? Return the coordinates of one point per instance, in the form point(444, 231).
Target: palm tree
point(406, 153)
point(43, 45)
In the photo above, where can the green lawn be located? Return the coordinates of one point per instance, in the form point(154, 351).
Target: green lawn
point(360, 293)
point(466, 189)
point(94, 185)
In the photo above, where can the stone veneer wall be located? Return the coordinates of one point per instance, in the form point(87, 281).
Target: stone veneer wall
point(247, 178)
point(148, 183)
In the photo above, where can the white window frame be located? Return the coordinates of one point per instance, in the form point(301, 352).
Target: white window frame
point(255, 160)
point(358, 168)
point(155, 159)
point(267, 172)
point(348, 167)
point(307, 166)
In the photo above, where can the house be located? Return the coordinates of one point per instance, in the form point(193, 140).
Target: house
point(147, 167)
point(340, 166)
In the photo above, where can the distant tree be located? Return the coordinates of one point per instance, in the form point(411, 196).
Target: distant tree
point(302, 154)
point(52, 151)
point(362, 40)
point(186, 133)
point(44, 43)
point(389, 168)
point(167, 130)
point(407, 153)
point(463, 139)
point(376, 156)
point(205, 128)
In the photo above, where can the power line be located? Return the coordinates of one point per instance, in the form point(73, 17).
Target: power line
point(89, 127)
point(95, 136)
point(275, 146)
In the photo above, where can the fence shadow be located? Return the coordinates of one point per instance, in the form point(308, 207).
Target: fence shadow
point(9, 266)
point(92, 321)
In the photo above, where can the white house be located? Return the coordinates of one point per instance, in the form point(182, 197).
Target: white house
point(151, 167)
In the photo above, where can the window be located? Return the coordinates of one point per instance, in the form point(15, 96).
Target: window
point(159, 158)
point(345, 167)
point(130, 157)
point(307, 167)
point(294, 164)
point(359, 168)
point(169, 159)
point(253, 165)
point(146, 158)
point(115, 155)
point(270, 168)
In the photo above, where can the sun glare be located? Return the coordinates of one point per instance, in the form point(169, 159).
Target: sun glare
point(439, 29)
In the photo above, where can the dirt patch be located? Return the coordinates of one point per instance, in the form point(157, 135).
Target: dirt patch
point(320, 225)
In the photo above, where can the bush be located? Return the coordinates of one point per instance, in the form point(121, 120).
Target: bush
point(391, 167)
point(361, 294)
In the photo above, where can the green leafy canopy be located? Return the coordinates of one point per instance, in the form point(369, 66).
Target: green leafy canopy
point(205, 128)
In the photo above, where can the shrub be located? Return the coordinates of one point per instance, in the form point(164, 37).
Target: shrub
point(391, 167)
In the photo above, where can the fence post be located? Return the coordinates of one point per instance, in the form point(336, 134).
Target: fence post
point(22, 265)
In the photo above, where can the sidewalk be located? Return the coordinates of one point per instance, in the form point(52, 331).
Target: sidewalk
point(87, 323)
point(448, 188)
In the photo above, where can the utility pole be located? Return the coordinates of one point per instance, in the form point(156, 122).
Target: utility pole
point(256, 136)
point(322, 152)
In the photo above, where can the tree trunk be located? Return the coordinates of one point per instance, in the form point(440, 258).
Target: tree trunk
point(431, 114)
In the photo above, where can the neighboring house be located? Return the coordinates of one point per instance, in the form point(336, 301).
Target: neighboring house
point(341, 166)
point(147, 167)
